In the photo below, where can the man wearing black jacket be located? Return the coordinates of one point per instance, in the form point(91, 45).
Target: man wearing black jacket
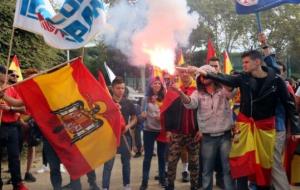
point(260, 89)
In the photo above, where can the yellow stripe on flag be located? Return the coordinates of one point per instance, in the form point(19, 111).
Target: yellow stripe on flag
point(265, 142)
point(15, 66)
point(65, 92)
point(245, 143)
point(295, 169)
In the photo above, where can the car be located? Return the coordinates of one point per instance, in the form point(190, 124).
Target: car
point(134, 95)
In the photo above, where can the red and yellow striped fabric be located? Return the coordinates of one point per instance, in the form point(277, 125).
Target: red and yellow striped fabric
point(15, 66)
point(252, 155)
point(76, 116)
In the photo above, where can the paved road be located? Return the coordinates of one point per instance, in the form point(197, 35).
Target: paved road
point(43, 182)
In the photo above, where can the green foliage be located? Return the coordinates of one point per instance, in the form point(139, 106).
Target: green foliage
point(30, 48)
point(233, 32)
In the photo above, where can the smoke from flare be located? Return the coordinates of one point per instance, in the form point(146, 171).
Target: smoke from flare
point(150, 30)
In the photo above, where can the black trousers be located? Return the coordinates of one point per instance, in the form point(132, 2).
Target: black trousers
point(9, 138)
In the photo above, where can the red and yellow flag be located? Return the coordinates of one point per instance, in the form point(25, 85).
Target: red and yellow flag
point(180, 60)
point(252, 155)
point(76, 116)
point(15, 66)
point(227, 63)
point(210, 50)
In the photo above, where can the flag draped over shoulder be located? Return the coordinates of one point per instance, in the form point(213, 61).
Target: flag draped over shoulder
point(15, 66)
point(252, 155)
point(172, 96)
point(227, 63)
point(76, 116)
point(75, 24)
point(210, 50)
point(253, 6)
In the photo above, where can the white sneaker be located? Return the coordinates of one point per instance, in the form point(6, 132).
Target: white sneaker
point(127, 187)
point(62, 168)
point(43, 169)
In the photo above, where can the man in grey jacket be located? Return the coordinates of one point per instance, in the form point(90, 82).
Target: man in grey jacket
point(215, 123)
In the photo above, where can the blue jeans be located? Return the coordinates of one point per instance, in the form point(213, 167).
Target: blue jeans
point(125, 160)
point(149, 140)
point(54, 164)
point(209, 147)
point(76, 184)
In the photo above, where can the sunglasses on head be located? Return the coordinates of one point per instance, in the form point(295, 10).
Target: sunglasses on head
point(14, 75)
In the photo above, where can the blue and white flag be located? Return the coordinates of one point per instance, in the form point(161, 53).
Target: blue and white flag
point(75, 24)
point(253, 6)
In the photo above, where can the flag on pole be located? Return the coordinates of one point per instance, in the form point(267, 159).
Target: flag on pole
point(15, 66)
point(75, 114)
point(210, 50)
point(180, 58)
point(227, 63)
point(254, 6)
point(110, 73)
point(72, 27)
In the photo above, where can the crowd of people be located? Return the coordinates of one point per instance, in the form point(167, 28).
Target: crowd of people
point(192, 117)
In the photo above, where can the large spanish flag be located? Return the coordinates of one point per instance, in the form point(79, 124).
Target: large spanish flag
point(75, 114)
point(252, 154)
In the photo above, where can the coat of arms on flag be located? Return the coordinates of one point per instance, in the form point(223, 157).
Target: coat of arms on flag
point(75, 114)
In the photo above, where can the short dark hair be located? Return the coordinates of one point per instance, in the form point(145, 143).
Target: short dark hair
point(117, 80)
point(252, 54)
point(281, 64)
point(2, 69)
point(214, 59)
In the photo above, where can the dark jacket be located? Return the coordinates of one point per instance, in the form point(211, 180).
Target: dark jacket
point(173, 116)
point(264, 105)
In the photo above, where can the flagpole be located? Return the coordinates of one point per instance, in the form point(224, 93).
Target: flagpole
point(82, 52)
point(9, 52)
point(7, 65)
point(258, 21)
point(68, 55)
point(43, 72)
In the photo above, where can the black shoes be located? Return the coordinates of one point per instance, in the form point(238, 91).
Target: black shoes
point(29, 177)
point(185, 177)
point(137, 155)
point(144, 185)
point(94, 187)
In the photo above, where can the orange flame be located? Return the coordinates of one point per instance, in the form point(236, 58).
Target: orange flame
point(163, 58)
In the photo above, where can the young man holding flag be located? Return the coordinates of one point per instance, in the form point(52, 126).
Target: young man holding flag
point(129, 114)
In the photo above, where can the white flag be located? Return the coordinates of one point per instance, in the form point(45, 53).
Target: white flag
point(76, 23)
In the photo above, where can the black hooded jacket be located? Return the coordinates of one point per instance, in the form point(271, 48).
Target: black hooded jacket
point(261, 104)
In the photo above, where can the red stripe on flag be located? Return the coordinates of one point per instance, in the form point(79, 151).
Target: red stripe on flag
point(262, 176)
point(16, 61)
point(49, 125)
point(93, 93)
point(243, 165)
